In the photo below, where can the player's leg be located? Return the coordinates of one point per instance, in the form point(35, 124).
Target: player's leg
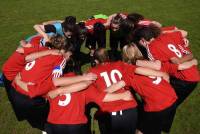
point(151, 123)
point(168, 118)
point(104, 121)
point(182, 88)
point(101, 40)
point(124, 122)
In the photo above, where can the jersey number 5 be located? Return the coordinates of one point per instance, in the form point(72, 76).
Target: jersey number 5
point(66, 101)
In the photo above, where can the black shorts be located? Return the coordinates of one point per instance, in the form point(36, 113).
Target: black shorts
point(156, 122)
point(121, 122)
point(66, 129)
point(117, 39)
point(7, 85)
point(93, 39)
point(182, 88)
point(35, 110)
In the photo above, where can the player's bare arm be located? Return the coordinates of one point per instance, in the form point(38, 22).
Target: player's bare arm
point(40, 29)
point(183, 59)
point(37, 55)
point(65, 81)
point(69, 89)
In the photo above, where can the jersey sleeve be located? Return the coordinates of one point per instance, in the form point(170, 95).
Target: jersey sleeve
point(169, 67)
point(59, 65)
point(129, 68)
point(29, 50)
point(94, 95)
point(169, 28)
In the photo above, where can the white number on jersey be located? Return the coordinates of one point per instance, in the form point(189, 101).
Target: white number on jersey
point(29, 65)
point(66, 101)
point(157, 80)
point(175, 50)
point(112, 76)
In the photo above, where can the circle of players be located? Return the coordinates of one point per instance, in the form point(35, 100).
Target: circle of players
point(136, 85)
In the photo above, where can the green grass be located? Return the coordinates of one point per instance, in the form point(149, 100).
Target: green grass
point(17, 18)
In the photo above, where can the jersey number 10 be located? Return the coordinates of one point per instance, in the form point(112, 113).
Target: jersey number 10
point(111, 77)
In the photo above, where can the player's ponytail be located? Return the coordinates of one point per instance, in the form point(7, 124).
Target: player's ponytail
point(130, 53)
point(69, 46)
point(147, 32)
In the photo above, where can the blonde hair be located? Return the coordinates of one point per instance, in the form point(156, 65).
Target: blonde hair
point(130, 53)
point(56, 42)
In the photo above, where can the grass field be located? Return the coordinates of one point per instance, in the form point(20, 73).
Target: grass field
point(17, 18)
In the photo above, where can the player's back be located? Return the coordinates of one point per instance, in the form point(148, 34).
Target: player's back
point(107, 74)
point(41, 68)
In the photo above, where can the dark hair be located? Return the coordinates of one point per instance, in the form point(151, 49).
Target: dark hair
point(69, 24)
point(147, 32)
point(101, 55)
point(82, 30)
point(69, 27)
point(127, 25)
point(99, 28)
point(135, 17)
point(69, 46)
point(56, 42)
point(117, 19)
point(70, 20)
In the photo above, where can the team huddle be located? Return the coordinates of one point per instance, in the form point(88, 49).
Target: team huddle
point(136, 85)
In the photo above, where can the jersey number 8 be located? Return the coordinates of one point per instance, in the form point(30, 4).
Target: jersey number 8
point(175, 50)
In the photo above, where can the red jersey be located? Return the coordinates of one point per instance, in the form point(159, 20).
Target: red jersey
point(16, 61)
point(90, 23)
point(168, 28)
point(108, 73)
point(170, 45)
point(169, 68)
point(156, 92)
point(70, 108)
point(38, 72)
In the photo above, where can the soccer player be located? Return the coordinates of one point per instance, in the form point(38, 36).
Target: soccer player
point(16, 63)
point(65, 28)
point(121, 116)
point(158, 96)
point(96, 34)
point(67, 109)
point(170, 47)
point(40, 70)
point(117, 35)
point(131, 54)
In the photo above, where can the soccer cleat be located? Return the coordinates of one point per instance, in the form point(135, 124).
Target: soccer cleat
point(43, 132)
point(1, 80)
